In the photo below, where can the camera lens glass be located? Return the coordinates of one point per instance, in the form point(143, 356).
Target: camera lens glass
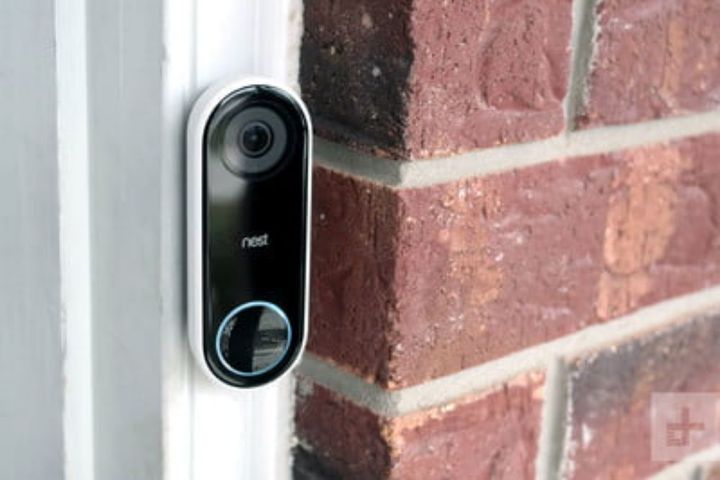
point(249, 138)
point(255, 139)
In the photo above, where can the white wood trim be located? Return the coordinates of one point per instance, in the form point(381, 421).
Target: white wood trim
point(31, 346)
point(130, 185)
point(156, 416)
point(95, 366)
point(244, 434)
point(70, 22)
point(178, 92)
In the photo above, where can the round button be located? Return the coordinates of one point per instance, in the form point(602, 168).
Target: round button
point(253, 338)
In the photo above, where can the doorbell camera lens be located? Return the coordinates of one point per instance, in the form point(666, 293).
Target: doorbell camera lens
point(249, 188)
point(255, 139)
point(251, 137)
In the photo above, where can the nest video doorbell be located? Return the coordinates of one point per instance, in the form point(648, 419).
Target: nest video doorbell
point(249, 181)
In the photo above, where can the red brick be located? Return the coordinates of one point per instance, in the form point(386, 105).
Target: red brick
point(489, 435)
point(711, 471)
point(486, 73)
point(413, 284)
point(342, 438)
point(353, 260)
point(654, 58)
point(610, 397)
point(420, 78)
point(344, 40)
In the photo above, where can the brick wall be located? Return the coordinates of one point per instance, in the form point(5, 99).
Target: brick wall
point(516, 238)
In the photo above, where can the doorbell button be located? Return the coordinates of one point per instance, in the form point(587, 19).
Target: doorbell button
point(253, 338)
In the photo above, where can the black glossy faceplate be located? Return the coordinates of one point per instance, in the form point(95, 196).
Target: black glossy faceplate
point(254, 234)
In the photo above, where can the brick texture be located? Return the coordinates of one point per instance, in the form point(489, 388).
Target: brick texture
point(356, 57)
point(486, 73)
point(419, 283)
point(653, 59)
point(414, 284)
point(489, 435)
point(420, 78)
point(711, 471)
point(610, 398)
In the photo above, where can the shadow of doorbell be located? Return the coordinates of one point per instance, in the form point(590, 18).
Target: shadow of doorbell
point(249, 145)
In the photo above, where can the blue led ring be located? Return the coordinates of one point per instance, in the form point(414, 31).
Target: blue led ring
point(233, 313)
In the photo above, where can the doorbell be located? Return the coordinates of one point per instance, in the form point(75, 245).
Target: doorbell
point(249, 148)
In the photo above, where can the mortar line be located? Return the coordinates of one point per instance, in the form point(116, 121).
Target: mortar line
point(553, 422)
point(339, 158)
point(492, 374)
point(477, 163)
point(583, 41)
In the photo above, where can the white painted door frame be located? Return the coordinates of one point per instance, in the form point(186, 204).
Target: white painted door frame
point(93, 201)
